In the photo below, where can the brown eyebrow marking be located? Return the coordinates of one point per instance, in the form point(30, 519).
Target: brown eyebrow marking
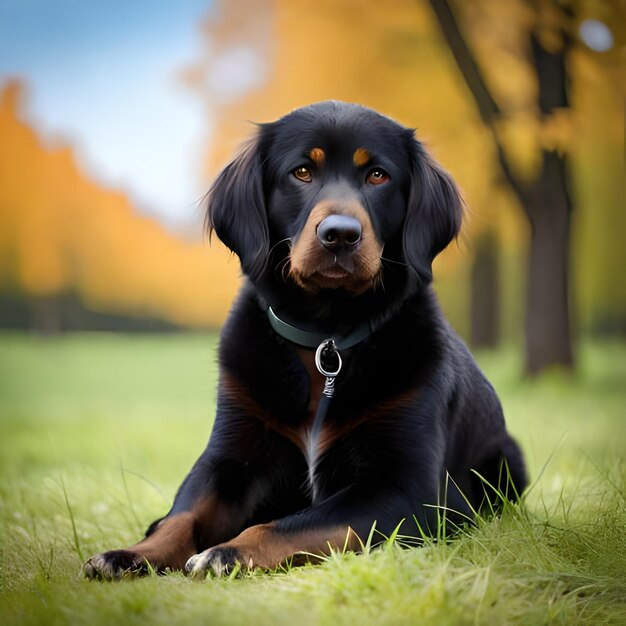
point(361, 157)
point(317, 156)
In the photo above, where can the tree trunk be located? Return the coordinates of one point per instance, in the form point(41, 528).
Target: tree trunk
point(485, 293)
point(549, 208)
point(547, 309)
point(546, 201)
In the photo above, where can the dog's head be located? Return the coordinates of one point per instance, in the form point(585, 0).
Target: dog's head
point(330, 195)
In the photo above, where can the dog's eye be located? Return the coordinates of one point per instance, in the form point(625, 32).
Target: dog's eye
point(303, 173)
point(377, 176)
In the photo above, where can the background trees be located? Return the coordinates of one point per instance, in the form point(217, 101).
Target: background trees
point(503, 93)
point(526, 116)
point(70, 248)
point(545, 198)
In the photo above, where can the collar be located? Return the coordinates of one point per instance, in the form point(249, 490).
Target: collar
point(312, 339)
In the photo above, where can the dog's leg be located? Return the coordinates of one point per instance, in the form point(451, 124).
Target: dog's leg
point(177, 537)
point(268, 545)
point(342, 521)
point(215, 502)
point(500, 475)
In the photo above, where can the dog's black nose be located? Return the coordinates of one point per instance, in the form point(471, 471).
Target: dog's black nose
point(339, 231)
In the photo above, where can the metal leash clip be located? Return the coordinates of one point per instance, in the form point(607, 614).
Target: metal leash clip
point(328, 362)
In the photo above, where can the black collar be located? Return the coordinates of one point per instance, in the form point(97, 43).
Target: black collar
point(312, 339)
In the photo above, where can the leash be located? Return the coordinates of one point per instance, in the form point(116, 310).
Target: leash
point(328, 362)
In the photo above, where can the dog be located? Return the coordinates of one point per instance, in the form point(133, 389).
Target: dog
point(346, 405)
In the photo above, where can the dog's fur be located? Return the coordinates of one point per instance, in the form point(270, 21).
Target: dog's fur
point(413, 423)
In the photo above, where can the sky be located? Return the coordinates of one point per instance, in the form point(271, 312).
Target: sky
point(104, 76)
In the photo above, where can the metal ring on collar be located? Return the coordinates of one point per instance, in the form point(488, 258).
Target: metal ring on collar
point(318, 358)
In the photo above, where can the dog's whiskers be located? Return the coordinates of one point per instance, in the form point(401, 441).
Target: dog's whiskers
point(379, 280)
point(285, 271)
point(407, 265)
point(283, 267)
point(382, 258)
point(286, 239)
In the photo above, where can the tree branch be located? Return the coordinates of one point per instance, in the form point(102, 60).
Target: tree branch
point(487, 106)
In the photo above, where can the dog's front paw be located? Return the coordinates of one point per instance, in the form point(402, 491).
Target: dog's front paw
point(115, 565)
point(220, 560)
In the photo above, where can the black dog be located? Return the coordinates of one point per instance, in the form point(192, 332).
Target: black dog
point(336, 214)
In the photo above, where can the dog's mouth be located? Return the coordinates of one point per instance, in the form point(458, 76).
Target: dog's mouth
point(337, 265)
point(333, 273)
point(337, 271)
point(335, 278)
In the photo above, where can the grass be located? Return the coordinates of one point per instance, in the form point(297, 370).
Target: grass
point(96, 432)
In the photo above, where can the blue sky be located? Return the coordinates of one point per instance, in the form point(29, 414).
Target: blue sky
point(103, 75)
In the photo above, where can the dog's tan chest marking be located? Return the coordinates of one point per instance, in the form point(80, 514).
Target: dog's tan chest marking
point(311, 446)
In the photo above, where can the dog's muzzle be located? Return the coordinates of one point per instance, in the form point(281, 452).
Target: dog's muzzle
point(336, 249)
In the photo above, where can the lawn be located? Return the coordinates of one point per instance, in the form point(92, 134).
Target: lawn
point(96, 432)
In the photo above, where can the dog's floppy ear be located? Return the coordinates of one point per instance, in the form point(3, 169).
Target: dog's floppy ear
point(434, 212)
point(236, 210)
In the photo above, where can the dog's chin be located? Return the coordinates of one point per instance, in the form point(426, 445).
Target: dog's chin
point(334, 278)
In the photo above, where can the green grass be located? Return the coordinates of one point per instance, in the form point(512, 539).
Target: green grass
point(96, 432)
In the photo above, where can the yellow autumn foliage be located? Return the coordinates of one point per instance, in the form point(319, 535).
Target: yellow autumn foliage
point(391, 55)
point(61, 231)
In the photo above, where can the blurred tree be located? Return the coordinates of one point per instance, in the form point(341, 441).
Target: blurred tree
point(546, 198)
